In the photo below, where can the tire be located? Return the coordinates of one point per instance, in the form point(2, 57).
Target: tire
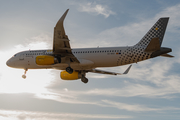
point(69, 70)
point(84, 80)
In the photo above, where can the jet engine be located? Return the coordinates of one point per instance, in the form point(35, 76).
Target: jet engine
point(46, 60)
point(74, 76)
point(66, 76)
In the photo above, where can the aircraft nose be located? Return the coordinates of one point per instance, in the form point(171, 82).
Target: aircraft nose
point(7, 63)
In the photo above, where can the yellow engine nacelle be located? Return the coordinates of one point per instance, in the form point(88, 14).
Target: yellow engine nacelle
point(46, 60)
point(66, 76)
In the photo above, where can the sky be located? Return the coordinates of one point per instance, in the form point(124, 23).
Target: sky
point(151, 89)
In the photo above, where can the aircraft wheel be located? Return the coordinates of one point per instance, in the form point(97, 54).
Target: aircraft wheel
point(69, 70)
point(24, 76)
point(84, 80)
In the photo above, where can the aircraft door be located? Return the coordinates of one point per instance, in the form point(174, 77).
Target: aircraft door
point(21, 57)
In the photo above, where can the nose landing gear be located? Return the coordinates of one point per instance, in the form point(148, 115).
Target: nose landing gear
point(24, 75)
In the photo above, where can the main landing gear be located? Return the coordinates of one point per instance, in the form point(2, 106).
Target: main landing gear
point(84, 79)
point(24, 75)
point(83, 74)
point(69, 70)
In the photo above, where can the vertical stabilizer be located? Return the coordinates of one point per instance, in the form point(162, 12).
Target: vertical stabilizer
point(157, 31)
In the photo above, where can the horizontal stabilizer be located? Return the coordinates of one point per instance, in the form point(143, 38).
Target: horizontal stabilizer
point(110, 73)
point(166, 55)
point(154, 45)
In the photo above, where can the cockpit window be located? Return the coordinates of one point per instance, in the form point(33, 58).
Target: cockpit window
point(15, 55)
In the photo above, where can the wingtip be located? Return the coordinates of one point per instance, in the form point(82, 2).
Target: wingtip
point(62, 17)
point(67, 10)
point(127, 70)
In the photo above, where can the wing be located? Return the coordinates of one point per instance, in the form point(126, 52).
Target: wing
point(110, 73)
point(61, 44)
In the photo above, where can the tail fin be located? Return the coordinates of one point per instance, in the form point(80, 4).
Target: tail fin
point(156, 32)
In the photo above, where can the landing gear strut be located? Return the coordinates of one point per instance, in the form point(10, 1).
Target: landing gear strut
point(24, 75)
point(69, 70)
point(84, 79)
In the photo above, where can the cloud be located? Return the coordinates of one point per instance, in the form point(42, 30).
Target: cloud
point(41, 41)
point(164, 86)
point(136, 107)
point(96, 9)
point(131, 90)
point(78, 98)
point(22, 115)
point(174, 17)
point(131, 33)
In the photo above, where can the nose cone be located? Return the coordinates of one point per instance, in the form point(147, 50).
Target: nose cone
point(9, 63)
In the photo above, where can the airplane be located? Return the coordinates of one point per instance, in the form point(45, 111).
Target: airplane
point(75, 63)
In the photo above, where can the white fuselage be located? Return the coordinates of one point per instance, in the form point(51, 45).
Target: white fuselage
point(89, 58)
